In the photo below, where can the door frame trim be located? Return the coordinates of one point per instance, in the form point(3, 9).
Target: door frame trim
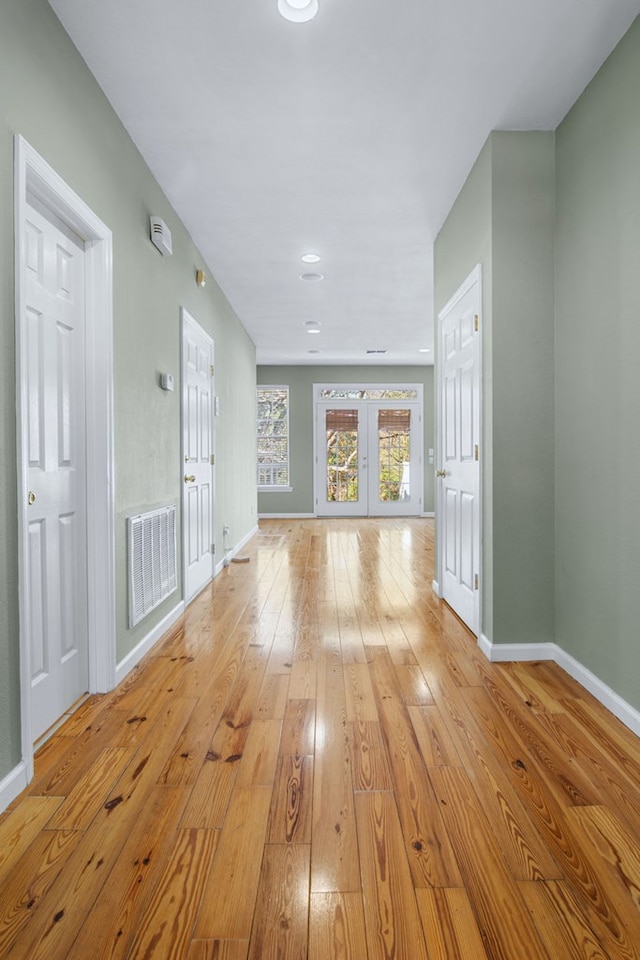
point(33, 176)
point(187, 318)
point(318, 399)
point(475, 277)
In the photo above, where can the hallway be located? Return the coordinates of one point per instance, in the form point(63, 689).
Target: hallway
point(320, 763)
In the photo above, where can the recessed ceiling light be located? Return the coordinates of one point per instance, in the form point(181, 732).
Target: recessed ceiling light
point(312, 323)
point(298, 11)
point(312, 277)
point(313, 330)
point(424, 350)
point(310, 258)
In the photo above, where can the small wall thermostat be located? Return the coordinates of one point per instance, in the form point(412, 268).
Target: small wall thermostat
point(166, 381)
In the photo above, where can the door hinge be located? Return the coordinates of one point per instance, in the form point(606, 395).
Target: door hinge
point(476, 322)
point(211, 368)
point(477, 582)
point(213, 548)
point(477, 452)
point(212, 459)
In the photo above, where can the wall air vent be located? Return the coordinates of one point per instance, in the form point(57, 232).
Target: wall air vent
point(376, 351)
point(153, 571)
point(161, 236)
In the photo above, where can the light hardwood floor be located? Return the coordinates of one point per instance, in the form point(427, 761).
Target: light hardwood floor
point(321, 764)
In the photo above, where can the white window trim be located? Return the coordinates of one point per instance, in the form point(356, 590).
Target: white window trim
point(274, 487)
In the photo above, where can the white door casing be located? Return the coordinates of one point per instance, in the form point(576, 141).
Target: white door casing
point(355, 482)
point(36, 181)
point(54, 333)
point(458, 487)
point(198, 456)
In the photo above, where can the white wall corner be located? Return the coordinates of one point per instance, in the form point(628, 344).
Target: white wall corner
point(13, 785)
point(134, 657)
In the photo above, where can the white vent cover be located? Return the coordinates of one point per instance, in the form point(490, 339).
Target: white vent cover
point(152, 560)
point(161, 236)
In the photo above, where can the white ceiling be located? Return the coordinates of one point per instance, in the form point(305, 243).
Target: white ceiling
point(348, 136)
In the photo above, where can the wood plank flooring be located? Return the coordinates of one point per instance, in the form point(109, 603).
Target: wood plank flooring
point(319, 764)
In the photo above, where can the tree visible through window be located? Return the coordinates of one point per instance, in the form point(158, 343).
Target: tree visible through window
point(273, 436)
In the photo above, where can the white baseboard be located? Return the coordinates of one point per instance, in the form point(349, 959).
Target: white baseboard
point(429, 515)
point(286, 516)
point(504, 652)
point(435, 586)
point(230, 554)
point(13, 785)
point(607, 697)
point(133, 658)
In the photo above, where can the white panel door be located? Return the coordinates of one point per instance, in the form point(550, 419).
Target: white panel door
point(198, 473)
point(458, 495)
point(54, 334)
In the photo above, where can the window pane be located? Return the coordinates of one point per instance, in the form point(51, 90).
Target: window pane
point(272, 411)
point(368, 393)
point(342, 455)
point(394, 454)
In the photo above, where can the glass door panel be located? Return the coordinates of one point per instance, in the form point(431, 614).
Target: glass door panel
point(394, 455)
point(341, 433)
point(340, 449)
point(395, 460)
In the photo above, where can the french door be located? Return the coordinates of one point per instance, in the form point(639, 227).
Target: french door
point(368, 458)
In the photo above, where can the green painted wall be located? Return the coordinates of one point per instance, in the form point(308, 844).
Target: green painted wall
point(503, 219)
point(555, 221)
point(48, 95)
point(300, 380)
point(523, 207)
point(597, 375)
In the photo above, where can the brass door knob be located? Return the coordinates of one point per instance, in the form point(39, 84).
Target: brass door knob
point(31, 498)
point(441, 473)
point(189, 478)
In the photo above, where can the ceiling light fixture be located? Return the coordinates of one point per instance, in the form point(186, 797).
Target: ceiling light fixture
point(312, 277)
point(310, 258)
point(298, 11)
point(424, 350)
